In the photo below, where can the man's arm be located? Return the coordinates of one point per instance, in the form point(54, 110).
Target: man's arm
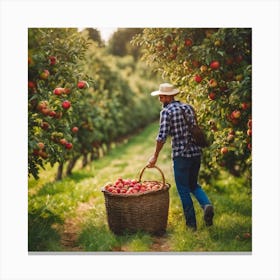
point(152, 161)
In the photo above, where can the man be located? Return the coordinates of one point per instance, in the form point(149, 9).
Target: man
point(186, 154)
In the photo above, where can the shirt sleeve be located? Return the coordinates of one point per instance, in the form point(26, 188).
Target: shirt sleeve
point(164, 128)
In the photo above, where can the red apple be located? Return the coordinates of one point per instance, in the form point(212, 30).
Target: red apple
point(42, 105)
point(249, 123)
point(188, 42)
point(75, 129)
point(224, 150)
point(52, 60)
point(244, 106)
point(215, 64)
point(212, 95)
point(235, 114)
point(45, 111)
point(66, 104)
point(58, 91)
point(213, 83)
point(63, 141)
point(82, 84)
point(52, 114)
point(249, 132)
point(68, 146)
point(44, 75)
point(31, 84)
point(197, 78)
point(41, 145)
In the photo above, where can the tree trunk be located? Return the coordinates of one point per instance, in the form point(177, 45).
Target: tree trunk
point(94, 154)
point(59, 172)
point(71, 165)
point(85, 160)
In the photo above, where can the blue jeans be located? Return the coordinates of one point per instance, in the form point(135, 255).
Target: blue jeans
point(186, 175)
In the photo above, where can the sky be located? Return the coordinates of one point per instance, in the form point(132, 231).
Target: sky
point(105, 32)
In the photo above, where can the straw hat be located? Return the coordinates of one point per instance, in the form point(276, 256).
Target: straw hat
point(165, 89)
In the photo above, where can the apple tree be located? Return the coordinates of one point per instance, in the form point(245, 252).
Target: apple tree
point(212, 68)
point(55, 86)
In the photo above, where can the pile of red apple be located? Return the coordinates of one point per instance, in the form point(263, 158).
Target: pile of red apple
point(132, 186)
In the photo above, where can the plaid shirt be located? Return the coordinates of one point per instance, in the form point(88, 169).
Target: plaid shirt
point(172, 123)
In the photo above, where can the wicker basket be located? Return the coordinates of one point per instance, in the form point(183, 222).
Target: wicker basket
point(146, 211)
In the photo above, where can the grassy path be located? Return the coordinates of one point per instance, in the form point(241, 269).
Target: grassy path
point(70, 215)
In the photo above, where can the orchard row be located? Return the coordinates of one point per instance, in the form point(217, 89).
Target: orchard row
point(78, 105)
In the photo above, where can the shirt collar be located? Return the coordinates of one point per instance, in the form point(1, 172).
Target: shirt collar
point(169, 104)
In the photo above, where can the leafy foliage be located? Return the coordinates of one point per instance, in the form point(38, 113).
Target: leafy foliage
point(212, 68)
point(80, 99)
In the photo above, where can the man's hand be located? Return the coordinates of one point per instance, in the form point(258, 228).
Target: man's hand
point(152, 161)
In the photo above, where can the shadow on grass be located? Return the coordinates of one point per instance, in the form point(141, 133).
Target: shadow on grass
point(97, 239)
point(100, 239)
point(41, 235)
point(78, 176)
point(61, 186)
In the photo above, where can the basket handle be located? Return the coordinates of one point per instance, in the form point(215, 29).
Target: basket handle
point(142, 171)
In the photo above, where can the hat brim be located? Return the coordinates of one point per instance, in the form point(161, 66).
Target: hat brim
point(158, 92)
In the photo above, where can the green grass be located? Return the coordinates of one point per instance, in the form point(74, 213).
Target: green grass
point(52, 203)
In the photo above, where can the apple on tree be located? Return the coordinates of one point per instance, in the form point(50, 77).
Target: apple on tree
point(224, 150)
point(249, 123)
point(52, 114)
point(82, 84)
point(215, 64)
point(75, 129)
point(188, 42)
point(212, 95)
point(31, 84)
point(249, 132)
point(68, 146)
point(203, 68)
point(244, 105)
point(41, 145)
point(63, 141)
point(58, 91)
point(44, 75)
point(52, 60)
point(212, 83)
point(197, 78)
point(235, 114)
point(66, 104)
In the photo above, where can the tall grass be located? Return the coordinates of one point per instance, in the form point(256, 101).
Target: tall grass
point(51, 203)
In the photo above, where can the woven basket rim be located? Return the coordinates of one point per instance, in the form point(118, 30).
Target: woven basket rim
point(165, 188)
